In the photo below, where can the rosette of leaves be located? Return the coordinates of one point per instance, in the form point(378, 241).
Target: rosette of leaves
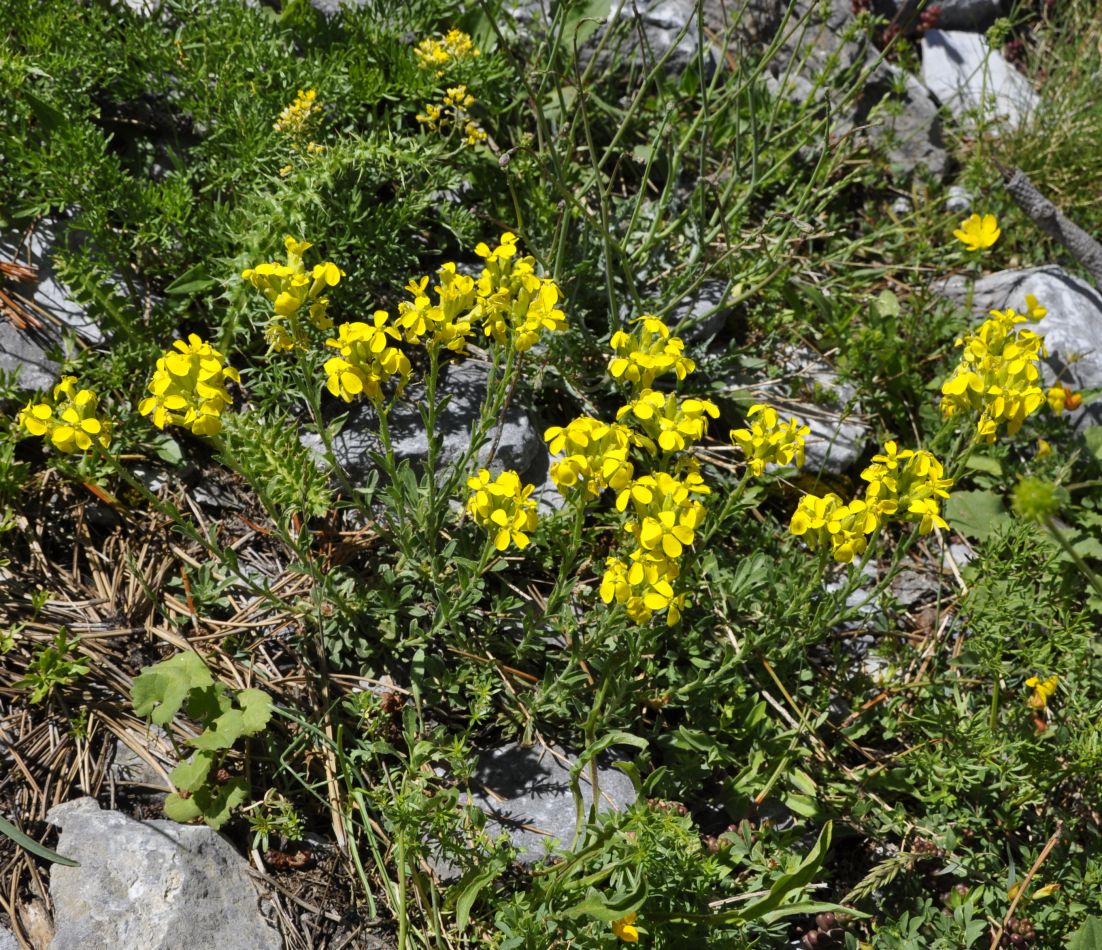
point(183, 683)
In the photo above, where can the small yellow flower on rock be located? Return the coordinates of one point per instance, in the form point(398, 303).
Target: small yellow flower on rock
point(72, 423)
point(189, 388)
point(1042, 690)
point(503, 506)
point(625, 929)
point(769, 442)
point(976, 233)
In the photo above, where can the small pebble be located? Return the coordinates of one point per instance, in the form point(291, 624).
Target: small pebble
point(959, 200)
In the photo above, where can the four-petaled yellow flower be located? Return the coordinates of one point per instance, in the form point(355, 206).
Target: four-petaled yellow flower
point(502, 505)
point(976, 233)
point(596, 457)
point(674, 425)
point(647, 352)
point(367, 359)
point(1042, 690)
point(769, 442)
point(189, 388)
point(625, 929)
point(71, 424)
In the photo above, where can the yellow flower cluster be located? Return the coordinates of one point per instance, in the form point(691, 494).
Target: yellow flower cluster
point(453, 111)
point(503, 506)
point(998, 375)
point(1062, 399)
point(646, 353)
point(189, 388)
point(666, 513)
point(674, 425)
point(596, 457)
point(768, 441)
point(300, 119)
point(367, 359)
point(290, 287)
point(904, 485)
point(447, 323)
point(72, 423)
point(439, 54)
point(513, 303)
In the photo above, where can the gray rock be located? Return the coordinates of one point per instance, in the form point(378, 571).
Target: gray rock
point(902, 206)
point(154, 885)
point(702, 314)
point(906, 126)
point(525, 791)
point(839, 434)
point(646, 32)
point(7, 941)
point(967, 75)
point(465, 381)
point(821, 49)
point(959, 200)
point(50, 302)
point(1072, 328)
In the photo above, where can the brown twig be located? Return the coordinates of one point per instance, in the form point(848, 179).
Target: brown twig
point(1045, 851)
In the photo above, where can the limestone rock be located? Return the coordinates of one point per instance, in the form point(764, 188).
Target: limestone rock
point(7, 941)
point(649, 31)
point(465, 382)
point(966, 74)
point(525, 791)
point(1072, 327)
point(905, 126)
point(703, 312)
point(152, 885)
point(49, 302)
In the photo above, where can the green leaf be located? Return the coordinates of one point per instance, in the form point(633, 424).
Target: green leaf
point(217, 804)
point(191, 774)
point(50, 118)
point(38, 850)
point(192, 281)
point(984, 463)
point(887, 304)
point(1092, 435)
point(809, 907)
point(222, 733)
point(1088, 936)
point(256, 710)
point(160, 690)
point(791, 883)
point(976, 514)
point(469, 889)
point(607, 909)
point(183, 810)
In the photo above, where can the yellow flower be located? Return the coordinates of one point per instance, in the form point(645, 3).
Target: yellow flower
point(768, 442)
point(625, 929)
point(503, 506)
point(438, 55)
point(908, 484)
point(1042, 690)
point(976, 232)
point(1062, 399)
point(447, 323)
point(290, 287)
point(367, 359)
point(189, 388)
point(300, 118)
point(596, 456)
point(673, 425)
point(72, 423)
point(646, 353)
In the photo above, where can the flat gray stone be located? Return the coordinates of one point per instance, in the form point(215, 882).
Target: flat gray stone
point(50, 302)
point(1072, 328)
point(907, 127)
point(465, 381)
point(965, 74)
point(150, 885)
point(703, 313)
point(7, 941)
point(525, 791)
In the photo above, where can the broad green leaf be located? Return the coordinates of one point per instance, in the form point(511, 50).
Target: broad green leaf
point(887, 304)
point(469, 889)
point(217, 804)
point(179, 809)
point(975, 514)
point(191, 774)
point(984, 463)
point(38, 850)
point(159, 691)
point(222, 733)
point(1092, 435)
point(1088, 936)
point(809, 907)
point(256, 710)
